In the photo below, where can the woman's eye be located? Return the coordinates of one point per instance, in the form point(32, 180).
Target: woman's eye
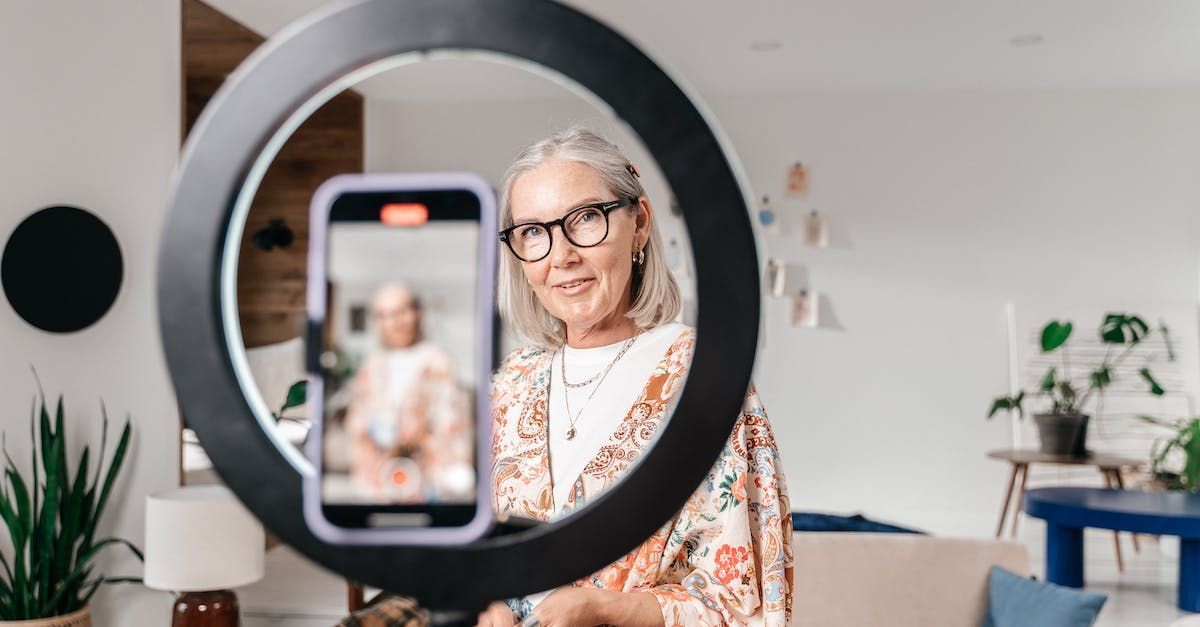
point(588, 216)
point(530, 232)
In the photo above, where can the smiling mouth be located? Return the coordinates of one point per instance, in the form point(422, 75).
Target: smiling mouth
point(572, 285)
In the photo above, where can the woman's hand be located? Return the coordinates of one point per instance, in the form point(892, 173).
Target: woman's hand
point(496, 615)
point(585, 607)
point(568, 607)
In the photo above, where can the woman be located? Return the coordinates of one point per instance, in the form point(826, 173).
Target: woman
point(408, 420)
point(585, 281)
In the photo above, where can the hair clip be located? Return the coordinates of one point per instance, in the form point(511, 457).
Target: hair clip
point(632, 169)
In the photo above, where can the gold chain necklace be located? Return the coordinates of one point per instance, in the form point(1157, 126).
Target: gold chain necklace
point(602, 375)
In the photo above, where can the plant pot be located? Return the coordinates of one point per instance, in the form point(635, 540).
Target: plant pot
point(1063, 434)
point(78, 618)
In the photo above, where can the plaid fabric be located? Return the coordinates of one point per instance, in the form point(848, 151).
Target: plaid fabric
point(389, 611)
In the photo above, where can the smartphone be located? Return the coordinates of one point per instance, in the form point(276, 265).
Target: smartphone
point(400, 347)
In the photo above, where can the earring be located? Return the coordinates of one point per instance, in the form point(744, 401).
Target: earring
point(639, 257)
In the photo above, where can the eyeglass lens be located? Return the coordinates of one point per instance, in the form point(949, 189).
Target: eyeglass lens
point(585, 226)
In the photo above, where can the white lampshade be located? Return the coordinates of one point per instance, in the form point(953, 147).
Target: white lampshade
point(201, 538)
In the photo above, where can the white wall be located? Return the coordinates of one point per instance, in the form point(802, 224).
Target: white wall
point(944, 207)
point(89, 115)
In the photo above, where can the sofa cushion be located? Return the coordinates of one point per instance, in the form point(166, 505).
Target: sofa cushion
point(895, 579)
point(1014, 601)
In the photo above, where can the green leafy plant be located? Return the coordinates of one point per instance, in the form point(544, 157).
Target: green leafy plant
point(52, 521)
point(1120, 333)
point(297, 394)
point(1185, 439)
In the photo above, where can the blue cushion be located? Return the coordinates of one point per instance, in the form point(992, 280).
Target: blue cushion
point(805, 521)
point(1014, 601)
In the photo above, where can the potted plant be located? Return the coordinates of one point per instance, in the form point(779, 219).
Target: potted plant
point(1186, 440)
point(52, 518)
point(1063, 429)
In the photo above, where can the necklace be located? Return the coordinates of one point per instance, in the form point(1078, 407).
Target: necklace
point(599, 374)
point(602, 375)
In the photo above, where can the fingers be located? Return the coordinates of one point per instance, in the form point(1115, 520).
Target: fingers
point(496, 615)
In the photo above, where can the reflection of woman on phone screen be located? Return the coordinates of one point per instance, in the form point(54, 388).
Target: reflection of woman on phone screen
point(408, 420)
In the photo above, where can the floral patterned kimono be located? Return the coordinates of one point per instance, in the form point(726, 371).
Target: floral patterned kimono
point(725, 558)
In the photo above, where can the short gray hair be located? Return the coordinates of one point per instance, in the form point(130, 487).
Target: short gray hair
point(655, 297)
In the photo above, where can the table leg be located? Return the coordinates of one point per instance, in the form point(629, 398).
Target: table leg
point(1024, 469)
point(1064, 555)
point(1012, 481)
point(1189, 574)
point(1108, 483)
point(1116, 472)
point(354, 597)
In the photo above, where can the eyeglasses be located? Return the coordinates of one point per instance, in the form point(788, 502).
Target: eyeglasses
point(584, 227)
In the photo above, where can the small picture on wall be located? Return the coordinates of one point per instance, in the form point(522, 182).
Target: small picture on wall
point(776, 277)
point(797, 181)
point(816, 229)
point(768, 218)
point(804, 309)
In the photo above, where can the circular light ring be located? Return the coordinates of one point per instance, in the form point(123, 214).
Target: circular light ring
point(277, 81)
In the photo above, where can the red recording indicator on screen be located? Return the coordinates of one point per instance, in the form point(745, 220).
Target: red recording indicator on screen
point(404, 214)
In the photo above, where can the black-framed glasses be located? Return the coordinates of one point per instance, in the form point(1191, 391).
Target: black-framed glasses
point(584, 227)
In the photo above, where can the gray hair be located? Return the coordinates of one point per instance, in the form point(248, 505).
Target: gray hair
point(654, 294)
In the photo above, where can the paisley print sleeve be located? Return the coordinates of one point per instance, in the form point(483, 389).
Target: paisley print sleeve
point(730, 549)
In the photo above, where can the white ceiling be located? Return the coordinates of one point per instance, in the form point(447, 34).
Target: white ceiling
point(844, 45)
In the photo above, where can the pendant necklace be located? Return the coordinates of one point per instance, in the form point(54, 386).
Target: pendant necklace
point(601, 376)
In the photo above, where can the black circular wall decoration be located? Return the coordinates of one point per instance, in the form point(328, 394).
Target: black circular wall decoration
point(61, 269)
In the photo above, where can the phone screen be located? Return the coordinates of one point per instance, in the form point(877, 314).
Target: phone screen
point(402, 358)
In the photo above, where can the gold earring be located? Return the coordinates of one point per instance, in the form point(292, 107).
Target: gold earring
point(639, 257)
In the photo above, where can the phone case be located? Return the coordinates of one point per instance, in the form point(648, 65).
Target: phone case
point(319, 212)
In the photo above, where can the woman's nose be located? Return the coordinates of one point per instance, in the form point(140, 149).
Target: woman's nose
point(562, 251)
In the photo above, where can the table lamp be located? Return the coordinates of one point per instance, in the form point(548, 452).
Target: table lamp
point(200, 542)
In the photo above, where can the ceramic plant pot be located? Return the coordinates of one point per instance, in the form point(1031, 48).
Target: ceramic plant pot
point(1063, 434)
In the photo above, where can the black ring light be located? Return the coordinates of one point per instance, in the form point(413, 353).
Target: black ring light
point(276, 82)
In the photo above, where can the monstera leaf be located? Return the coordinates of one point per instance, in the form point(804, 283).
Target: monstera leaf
point(1123, 328)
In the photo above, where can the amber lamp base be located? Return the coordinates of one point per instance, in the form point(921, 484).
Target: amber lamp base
point(217, 608)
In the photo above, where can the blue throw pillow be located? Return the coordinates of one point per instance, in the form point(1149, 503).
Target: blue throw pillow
point(807, 521)
point(1014, 601)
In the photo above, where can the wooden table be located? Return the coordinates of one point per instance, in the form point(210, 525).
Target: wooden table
point(1069, 510)
point(1110, 467)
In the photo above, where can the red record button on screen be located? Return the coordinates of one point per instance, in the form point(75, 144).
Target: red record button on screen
point(404, 214)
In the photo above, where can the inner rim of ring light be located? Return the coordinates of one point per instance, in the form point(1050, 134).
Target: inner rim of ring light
point(234, 343)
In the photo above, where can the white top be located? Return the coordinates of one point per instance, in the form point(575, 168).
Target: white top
point(613, 397)
point(402, 370)
point(598, 418)
point(396, 372)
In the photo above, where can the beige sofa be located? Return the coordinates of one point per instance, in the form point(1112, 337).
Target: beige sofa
point(896, 580)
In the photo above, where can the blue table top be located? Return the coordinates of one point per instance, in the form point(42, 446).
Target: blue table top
point(1166, 513)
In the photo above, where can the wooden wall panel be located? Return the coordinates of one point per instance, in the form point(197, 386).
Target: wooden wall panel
point(271, 284)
